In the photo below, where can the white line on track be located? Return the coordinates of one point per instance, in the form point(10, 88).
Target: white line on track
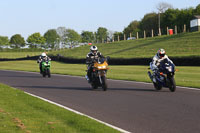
point(107, 124)
point(117, 128)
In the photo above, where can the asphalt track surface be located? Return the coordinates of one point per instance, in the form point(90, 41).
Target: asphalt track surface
point(132, 106)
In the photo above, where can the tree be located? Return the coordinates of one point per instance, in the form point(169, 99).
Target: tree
point(148, 23)
point(110, 35)
point(184, 17)
point(132, 28)
point(87, 36)
point(197, 10)
point(4, 40)
point(118, 34)
point(52, 39)
point(102, 34)
point(72, 37)
point(162, 7)
point(61, 31)
point(17, 41)
point(36, 39)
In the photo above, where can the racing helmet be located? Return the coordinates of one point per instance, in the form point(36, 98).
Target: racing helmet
point(94, 49)
point(161, 53)
point(43, 54)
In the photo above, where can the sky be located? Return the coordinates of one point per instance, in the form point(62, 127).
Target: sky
point(26, 17)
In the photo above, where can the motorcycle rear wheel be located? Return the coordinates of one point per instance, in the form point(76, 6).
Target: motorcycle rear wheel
point(104, 83)
point(157, 86)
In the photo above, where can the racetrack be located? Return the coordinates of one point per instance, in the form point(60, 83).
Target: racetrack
point(132, 106)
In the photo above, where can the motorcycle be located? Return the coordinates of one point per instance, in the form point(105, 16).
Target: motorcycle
point(46, 64)
point(98, 75)
point(164, 76)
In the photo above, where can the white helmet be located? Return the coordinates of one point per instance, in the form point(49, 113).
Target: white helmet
point(161, 53)
point(94, 49)
point(44, 54)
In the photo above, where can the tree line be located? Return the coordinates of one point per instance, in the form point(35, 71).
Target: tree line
point(61, 37)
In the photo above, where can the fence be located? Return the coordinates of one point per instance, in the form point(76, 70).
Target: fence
point(143, 34)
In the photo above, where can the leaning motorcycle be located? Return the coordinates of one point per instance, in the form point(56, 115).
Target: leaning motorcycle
point(46, 68)
point(98, 75)
point(164, 76)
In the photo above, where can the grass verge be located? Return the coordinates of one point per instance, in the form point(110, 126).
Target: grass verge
point(185, 76)
point(21, 113)
point(180, 45)
point(14, 55)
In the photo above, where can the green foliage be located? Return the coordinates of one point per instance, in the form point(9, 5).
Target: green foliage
point(72, 37)
point(36, 40)
point(197, 10)
point(4, 40)
point(52, 38)
point(102, 34)
point(149, 22)
point(132, 28)
point(118, 34)
point(87, 36)
point(17, 41)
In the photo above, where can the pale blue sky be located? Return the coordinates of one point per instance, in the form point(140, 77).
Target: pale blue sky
point(29, 16)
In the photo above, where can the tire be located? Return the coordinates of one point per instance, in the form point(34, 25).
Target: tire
point(94, 86)
point(157, 86)
point(104, 83)
point(48, 73)
point(172, 84)
point(44, 74)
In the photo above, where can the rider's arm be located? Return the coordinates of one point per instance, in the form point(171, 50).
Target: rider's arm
point(39, 59)
point(100, 55)
point(49, 58)
point(88, 59)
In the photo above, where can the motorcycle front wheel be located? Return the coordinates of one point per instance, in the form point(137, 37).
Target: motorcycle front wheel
point(48, 73)
point(94, 86)
point(172, 84)
point(104, 83)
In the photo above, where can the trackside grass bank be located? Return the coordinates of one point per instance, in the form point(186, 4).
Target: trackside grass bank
point(14, 54)
point(21, 113)
point(185, 76)
point(180, 45)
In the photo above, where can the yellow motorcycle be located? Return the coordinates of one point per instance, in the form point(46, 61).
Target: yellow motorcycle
point(98, 75)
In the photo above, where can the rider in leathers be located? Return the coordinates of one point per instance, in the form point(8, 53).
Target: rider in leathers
point(160, 56)
point(42, 57)
point(93, 55)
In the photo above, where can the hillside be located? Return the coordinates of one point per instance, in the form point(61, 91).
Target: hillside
point(181, 45)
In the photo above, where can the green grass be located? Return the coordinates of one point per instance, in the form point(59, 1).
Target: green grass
point(185, 76)
point(180, 45)
point(21, 113)
point(14, 55)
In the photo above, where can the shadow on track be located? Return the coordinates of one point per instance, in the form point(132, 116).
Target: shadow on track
point(86, 88)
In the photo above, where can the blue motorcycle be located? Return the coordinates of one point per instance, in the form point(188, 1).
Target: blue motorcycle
point(164, 76)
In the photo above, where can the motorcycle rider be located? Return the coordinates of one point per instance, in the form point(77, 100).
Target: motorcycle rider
point(155, 64)
point(93, 55)
point(42, 57)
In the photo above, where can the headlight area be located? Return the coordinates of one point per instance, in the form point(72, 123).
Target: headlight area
point(101, 67)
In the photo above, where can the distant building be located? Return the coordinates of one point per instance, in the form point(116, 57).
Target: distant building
point(195, 24)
